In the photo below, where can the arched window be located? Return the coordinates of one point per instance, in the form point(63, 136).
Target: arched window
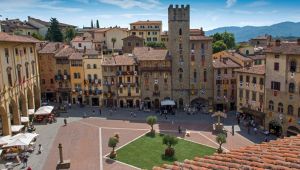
point(292, 88)
point(33, 67)
point(9, 76)
point(180, 31)
point(27, 70)
point(195, 75)
point(19, 73)
point(290, 110)
point(88, 66)
point(271, 105)
point(247, 52)
point(280, 108)
point(180, 74)
point(293, 66)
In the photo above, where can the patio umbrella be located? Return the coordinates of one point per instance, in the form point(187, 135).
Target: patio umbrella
point(18, 142)
point(45, 110)
point(4, 140)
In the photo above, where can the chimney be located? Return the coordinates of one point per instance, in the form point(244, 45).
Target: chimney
point(298, 41)
point(277, 42)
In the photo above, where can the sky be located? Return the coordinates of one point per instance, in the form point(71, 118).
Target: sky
point(208, 14)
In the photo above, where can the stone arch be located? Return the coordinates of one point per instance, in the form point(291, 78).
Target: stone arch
point(23, 105)
point(5, 123)
point(14, 113)
point(156, 103)
point(37, 99)
point(30, 103)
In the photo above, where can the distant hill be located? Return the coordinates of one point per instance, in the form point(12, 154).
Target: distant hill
point(283, 29)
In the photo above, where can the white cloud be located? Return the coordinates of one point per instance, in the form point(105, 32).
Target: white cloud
point(126, 4)
point(258, 3)
point(23, 5)
point(230, 3)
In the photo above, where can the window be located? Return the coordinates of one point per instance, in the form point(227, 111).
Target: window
point(261, 97)
point(293, 66)
point(180, 31)
point(128, 79)
point(219, 71)
point(133, 33)
point(275, 85)
point(292, 88)
point(154, 39)
point(225, 93)
point(204, 75)
point(225, 71)
point(16, 51)
point(261, 81)
point(9, 76)
point(137, 90)
point(128, 68)
point(79, 44)
point(247, 79)
point(241, 78)
point(241, 93)
point(192, 57)
point(95, 76)
point(180, 46)
point(88, 66)
point(6, 53)
point(129, 44)
point(137, 44)
point(277, 56)
point(120, 80)
point(148, 33)
point(24, 50)
point(254, 80)
point(27, 70)
point(95, 66)
point(290, 110)
point(43, 81)
point(180, 74)
point(280, 108)
point(202, 46)
point(253, 96)
point(156, 88)
point(195, 75)
point(193, 46)
point(247, 94)
point(149, 39)
point(121, 90)
point(276, 66)
point(31, 50)
point(52, 81)
point(271, 105)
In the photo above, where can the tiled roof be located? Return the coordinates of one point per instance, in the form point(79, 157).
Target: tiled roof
point(259, 69)
point(5, 37)
point(133, 37)
point(51, 47)
point(146, 22)
point(148, 53)
point(125, 59)
point(48, 23)
point(225, 63)
point(108, 61)
point(16, 23)
point(76, 56)
point(200, 37)
point(107, 29)
point(238, 56)
point(82, 39)
point(283, 154)
point(65, 52)
point(285, 48)
point(91, 52)
point(257, 57)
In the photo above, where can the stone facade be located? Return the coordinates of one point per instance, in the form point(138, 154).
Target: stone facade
point(130, 42)
point(19, 81)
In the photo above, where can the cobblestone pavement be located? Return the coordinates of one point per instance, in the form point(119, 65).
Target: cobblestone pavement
point(82, 138)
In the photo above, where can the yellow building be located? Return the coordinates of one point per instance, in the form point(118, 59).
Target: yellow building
point(149, 30)
point(251, 93)
point(108, 67)
point(77, 77)
point(19, 80)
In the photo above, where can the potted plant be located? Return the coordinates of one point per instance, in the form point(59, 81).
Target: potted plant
point(112, 143)
point(151, 120)
point(169, 141)
point(220, 139)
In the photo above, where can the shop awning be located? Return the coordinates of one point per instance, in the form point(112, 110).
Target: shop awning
point(24, 119)
point(253, 112)
point(16, 128)
point(44, 110)
point(167, 103)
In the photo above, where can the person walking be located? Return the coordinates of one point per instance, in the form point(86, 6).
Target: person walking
point(99, 111)
point(179, 129)
point(232, 127)
point(40, 149)
point(65, 121)
point(255, 130)
point(25, 160)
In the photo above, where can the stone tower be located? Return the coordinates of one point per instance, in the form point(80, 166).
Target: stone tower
point(179, 48)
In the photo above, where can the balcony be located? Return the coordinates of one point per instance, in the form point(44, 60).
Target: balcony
point(107, 83)
point(156, 69)
point(126, 73)
point(131, 84)
point(60, 77)
point(156, 93)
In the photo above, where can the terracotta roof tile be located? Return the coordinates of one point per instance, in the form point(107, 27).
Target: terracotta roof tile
point(148, 22)
point(82, 39)
point(285, 48)
point(51, 47)
point(150, 54)
point(200, 37)
point(225, 63)
point(65, 52)
point(259, 69)
point(280, 154)
point(125, 59)
point(76, 56)
point(108, 61)
point(5, 37)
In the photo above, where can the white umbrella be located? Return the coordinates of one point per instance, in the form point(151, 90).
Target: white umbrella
point(4, 140)
point(30, 111)
point(45, 110)
point(167, 103)
point(24, 136)
point(16, 128)
point(18, 142)
point(24, 119)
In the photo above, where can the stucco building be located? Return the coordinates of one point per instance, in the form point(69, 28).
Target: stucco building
point(130, 42)
point(19, 80)
point(148, 30)
point(109, 81)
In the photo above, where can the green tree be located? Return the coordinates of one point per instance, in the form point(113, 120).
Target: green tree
point(97, 24)
point(220, 139)
point(92, 24)
point(37, 36)
point(69, 34)
point(216, 37)
point(228, 39)
point(151, 120)
point(54, 34)
point(113, 40)
point(112, 143)
point(219, 46)
point(169, 141)
point(156, 45)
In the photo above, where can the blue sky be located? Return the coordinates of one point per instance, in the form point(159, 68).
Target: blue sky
point(208, 14)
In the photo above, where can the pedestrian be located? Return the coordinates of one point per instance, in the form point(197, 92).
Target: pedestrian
point(65, 121)
point(94, 112)
point(100, 111)
point(25, 162)
point(70, 105)
point(131, 114)
point(266, 139)
point(134, 115)
point(40, 149)
point(232, 130)
point(166, 117)
point(238, 120)
point(179, 129)
point(255, 130)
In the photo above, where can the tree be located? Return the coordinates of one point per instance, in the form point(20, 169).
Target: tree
point(69, 34)
point(37, 36)
point(151, 120)
point(97, 24)
point(216, 37)
point(54, 34)
point(113, 40)
point(112, 143)
point(169, 141)
point(156, 44)
point(228, 39)
point(92, 24)
point(221, 139)
point(219, 46)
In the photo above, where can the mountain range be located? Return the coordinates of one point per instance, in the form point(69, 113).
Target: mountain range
point(283, 29)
